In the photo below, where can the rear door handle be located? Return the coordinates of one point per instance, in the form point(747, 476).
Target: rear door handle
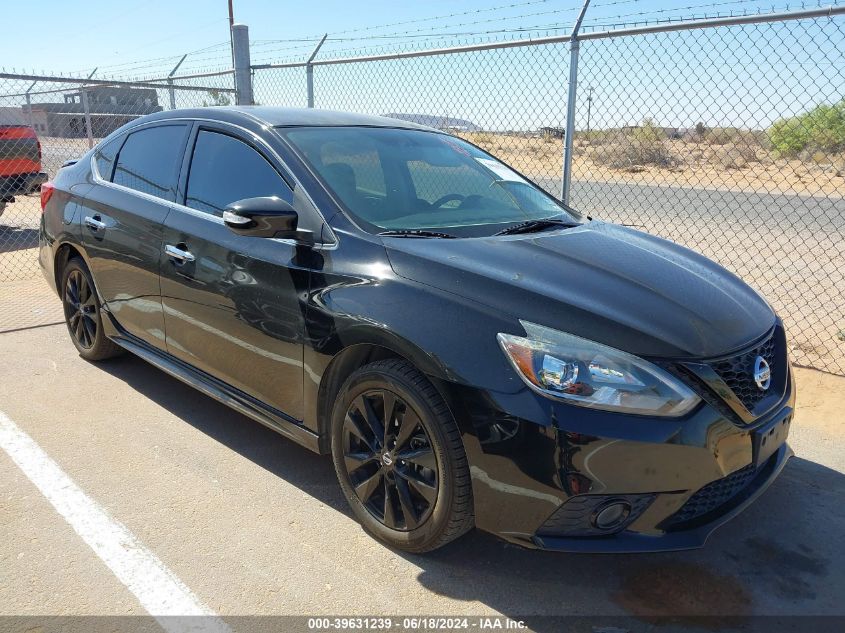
point(179, 254)
point(95, 223)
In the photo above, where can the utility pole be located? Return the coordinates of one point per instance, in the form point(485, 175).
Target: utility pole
point(589, 107)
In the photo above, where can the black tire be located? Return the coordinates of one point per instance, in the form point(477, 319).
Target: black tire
point(423, 497)
point(82, 313)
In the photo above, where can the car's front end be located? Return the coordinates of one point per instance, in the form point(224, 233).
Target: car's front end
point(596, 480)
point(615, 391)
point(640, 397)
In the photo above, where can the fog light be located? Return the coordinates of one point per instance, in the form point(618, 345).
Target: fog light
point(611, 515)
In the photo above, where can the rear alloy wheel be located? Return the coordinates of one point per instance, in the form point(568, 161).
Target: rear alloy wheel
point(82, 313)
point(399, 458)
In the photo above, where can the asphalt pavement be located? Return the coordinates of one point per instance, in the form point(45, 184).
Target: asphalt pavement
point(250, 523)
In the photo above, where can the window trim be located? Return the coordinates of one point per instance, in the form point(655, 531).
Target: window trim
point(328, 239)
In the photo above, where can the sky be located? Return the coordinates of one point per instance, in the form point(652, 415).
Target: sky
point(745, 77)
point(147, 37)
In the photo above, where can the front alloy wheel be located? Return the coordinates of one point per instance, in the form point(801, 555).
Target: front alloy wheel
point(389, 460)
point(399, 457)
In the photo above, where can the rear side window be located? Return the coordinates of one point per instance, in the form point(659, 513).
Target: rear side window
point(225, 170)
point(104, 157)
point(148, 161)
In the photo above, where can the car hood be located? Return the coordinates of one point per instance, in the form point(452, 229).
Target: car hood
point(603, 282)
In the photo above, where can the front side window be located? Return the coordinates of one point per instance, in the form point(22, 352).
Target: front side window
point(399, 180)
point(149, 161)
point(225, 170)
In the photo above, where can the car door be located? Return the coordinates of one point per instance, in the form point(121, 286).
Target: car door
point(122, 218)
point(232, 303)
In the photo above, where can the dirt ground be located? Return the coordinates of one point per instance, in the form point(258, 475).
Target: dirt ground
point(696, 164)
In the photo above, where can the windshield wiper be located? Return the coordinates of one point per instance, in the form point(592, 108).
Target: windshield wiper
point(417, 233)
point(534, 225)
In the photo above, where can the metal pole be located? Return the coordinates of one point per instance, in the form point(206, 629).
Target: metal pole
point(309, 71)
point(574, 45)
point(87, 110)
point(29, 104)
point(243, 76)
point(589, 108)
point(170, 82)
point(231, 24)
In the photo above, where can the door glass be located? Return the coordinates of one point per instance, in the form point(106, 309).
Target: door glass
point(105, 157)
point(225, 170)
point(149, 160)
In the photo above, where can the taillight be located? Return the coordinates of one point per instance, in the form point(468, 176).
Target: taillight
point(47, 190)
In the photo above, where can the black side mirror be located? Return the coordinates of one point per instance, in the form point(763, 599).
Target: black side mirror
point(261, 217)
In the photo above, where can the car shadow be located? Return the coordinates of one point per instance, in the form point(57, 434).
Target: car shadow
point(15, 238)
point(782, 556)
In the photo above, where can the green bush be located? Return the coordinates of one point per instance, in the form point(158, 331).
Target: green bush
point(821, 129)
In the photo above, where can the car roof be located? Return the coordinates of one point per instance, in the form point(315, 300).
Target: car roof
point(288, 117)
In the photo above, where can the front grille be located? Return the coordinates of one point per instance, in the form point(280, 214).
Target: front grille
point(737, 372)
point(713, 495)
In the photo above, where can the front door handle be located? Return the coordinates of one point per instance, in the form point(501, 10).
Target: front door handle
point(179, 254)
point(95, 223)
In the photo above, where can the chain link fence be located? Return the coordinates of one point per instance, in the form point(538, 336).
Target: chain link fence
point(728, 139)
point(45, 122)
point(726, 136)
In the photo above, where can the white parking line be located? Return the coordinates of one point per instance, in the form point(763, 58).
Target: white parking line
point(157, 588)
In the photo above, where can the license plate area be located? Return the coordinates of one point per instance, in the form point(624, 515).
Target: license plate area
point(767, 440)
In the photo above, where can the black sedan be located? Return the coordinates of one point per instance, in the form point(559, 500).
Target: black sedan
point(470, 351)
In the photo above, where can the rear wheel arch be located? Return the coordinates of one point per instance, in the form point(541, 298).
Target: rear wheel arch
point(64, 254)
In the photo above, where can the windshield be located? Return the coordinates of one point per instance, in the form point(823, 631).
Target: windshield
point(411, 180)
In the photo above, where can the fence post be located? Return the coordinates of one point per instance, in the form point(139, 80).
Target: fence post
point(243, 74)
point(86, 108)
point(170, 82)
point(309, 71)
point(574, 46)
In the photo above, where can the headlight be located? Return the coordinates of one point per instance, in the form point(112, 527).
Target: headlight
point(589, 374)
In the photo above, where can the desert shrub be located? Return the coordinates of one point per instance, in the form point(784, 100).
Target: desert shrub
point(644, 145)
point(821, 129)
point(736, 155)
point(735, 136)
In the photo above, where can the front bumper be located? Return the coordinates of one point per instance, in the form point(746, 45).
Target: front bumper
point(691, 537)
point(540, 485)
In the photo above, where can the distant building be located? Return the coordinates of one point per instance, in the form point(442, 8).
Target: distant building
point(554, 132)
point(109, 108)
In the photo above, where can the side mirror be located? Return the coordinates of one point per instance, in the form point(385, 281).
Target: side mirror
point(261, 217)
